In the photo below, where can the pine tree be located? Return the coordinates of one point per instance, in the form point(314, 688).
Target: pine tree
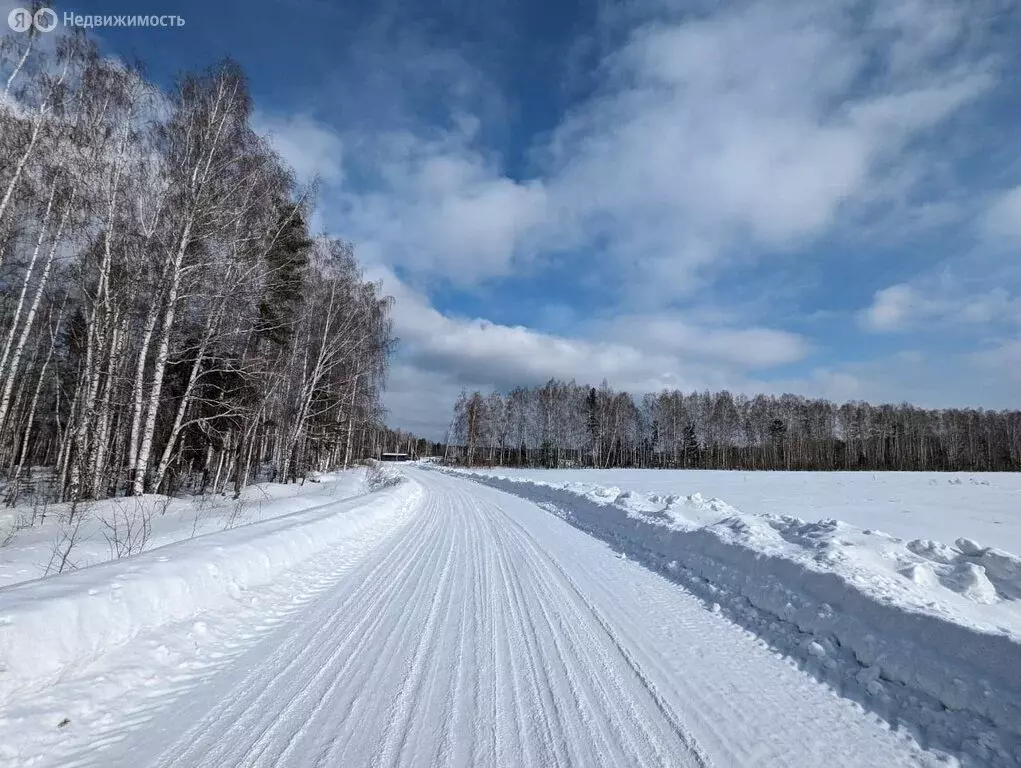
point(592, 423)
point(691, 447)
point(286, 260)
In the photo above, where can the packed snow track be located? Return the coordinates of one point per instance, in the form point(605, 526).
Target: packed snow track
point(477, 630)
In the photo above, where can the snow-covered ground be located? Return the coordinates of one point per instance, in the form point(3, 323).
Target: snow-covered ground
point(985, 507)
point(441, 621)
point(34, 539)
point(920, 630)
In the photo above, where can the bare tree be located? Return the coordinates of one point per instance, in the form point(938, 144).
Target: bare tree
point(562, 423)
point(166, 319)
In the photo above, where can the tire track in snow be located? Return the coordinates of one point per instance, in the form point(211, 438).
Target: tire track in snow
point(396, 732)
point(624, 717)
point(386, 638)
point(572, 703)
point(334, 668)
point(628, 722)
point(380, 679)
point(257, 696)
point(541, 561)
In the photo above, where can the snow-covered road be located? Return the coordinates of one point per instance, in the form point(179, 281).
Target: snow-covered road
point(483, 630)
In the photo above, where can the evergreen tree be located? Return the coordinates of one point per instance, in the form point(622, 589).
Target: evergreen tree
point(286, 260)
point(691, 447)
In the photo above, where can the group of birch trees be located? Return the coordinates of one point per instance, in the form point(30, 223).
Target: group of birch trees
point(563, 424)
point(166, 319)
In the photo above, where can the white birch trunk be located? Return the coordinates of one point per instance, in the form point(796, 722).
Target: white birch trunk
point(5, 399)
point(182, 407)
point(351, 421)
point(162, 355)
point(15, 320)
point(138, 389)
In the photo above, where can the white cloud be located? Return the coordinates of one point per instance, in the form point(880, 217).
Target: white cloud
point(757, 124)
point(939, 301)
point(713, 137)
point(1002, 221)
point(311, 148)
point(893, 307)
point(488, 354)
point(440, 354)
point(1002, 364)
point(443, 208)
point(743, 348)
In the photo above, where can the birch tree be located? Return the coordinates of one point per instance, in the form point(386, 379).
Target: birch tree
point(563, 422)
point(166, 318)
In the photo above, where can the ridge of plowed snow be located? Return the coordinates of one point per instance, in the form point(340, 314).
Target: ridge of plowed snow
point(29, 548)
point(943, 506)
point(50, 624)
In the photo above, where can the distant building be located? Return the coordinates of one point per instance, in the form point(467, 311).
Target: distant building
point(395, 457)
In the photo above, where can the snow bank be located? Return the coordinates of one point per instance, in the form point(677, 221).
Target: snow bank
point(50, 624)
point(30, 535)
point(924, 633)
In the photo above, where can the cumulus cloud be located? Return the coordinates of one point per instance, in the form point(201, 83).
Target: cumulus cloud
point(755, 124)
point(745, 348)
point(483, 353)
point(442, 208)
point(712, 137)
point(311, 148)
point(892, 308)
point(441, 354)
point(904, 307)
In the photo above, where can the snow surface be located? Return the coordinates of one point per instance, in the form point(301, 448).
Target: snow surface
point(26, 551)
point(439, 621)
point(985, 507)
point(926, 632)
point(464, 627)
point(57, 622)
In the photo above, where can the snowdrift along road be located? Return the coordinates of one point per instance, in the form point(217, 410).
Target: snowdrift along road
point(51, 624)
point(457, 625)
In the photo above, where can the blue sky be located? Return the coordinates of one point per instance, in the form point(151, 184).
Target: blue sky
point(782, 195)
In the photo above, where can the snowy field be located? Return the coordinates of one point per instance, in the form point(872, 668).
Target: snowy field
point(985, 507)
point(940, 545)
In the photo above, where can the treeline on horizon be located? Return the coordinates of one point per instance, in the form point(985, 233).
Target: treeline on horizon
point(564, 424)
point(167, 321)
